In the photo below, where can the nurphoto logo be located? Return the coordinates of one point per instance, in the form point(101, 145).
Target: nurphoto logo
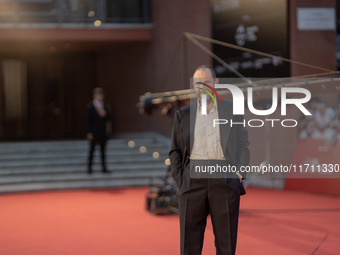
point(238, 104)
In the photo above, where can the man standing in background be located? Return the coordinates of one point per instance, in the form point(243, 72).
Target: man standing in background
point(97, 117)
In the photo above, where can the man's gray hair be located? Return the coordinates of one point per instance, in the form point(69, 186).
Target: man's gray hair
point(207, 67)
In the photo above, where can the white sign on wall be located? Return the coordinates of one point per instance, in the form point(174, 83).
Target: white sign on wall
point(316, 19)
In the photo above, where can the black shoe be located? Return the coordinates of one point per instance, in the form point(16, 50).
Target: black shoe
point(89, 171)
point(106, 171)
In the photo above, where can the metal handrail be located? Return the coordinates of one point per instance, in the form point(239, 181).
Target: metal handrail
point(68, 11)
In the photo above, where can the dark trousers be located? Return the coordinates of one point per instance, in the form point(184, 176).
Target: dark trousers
point(199, 197)
point(102, 144)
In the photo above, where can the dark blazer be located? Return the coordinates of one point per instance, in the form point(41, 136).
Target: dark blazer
point(95, 124)
point(234, 140)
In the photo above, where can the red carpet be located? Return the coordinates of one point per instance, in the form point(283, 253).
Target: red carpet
point(115, 222)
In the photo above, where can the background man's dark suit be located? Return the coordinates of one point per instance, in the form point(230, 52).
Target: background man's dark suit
point(224, 195)
point(96, 125)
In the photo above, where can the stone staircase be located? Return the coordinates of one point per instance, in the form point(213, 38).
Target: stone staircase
point(57, 165)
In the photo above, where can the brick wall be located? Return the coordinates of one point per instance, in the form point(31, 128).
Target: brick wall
point(174, 58)
point(312, 47)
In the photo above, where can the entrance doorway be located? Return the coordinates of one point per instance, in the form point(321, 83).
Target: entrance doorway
point(44, 96)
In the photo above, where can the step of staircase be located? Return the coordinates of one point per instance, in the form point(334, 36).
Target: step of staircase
point(58, 165)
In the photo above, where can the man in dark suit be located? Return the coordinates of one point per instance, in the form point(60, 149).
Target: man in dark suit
point(97, 116)
point(195, 142)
